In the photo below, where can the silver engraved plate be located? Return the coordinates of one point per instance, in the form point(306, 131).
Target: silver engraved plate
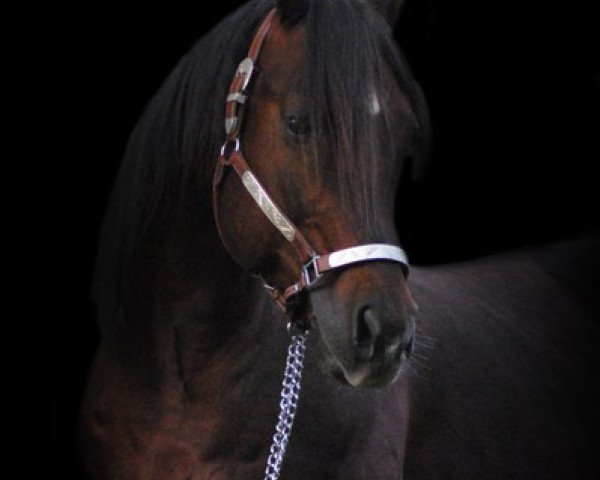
point(369, 252)
point(267, 206)
point(230, 124)
point(245, 68)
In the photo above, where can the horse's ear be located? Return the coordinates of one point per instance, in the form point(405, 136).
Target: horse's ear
point(389, 9)
point(291, 12)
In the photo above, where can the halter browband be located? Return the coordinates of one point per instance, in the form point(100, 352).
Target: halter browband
point(313, 265)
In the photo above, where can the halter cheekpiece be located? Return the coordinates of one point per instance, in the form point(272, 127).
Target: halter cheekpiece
point(313, 264)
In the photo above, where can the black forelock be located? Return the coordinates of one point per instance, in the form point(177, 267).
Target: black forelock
point(350, 47)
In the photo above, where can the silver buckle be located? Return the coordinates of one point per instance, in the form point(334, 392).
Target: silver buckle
point(245, 69)
point(310, 272)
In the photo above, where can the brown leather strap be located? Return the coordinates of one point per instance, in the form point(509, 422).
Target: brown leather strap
point(231, 156)
point(261, 34)
point(236, 99)
point(279, 219)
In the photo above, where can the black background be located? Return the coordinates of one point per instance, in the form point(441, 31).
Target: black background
point(513, 93)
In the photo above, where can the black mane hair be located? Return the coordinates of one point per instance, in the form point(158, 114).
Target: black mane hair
point(174, 146)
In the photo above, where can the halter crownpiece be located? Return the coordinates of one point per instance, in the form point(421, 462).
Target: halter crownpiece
point(238, 90)
point(314, 265)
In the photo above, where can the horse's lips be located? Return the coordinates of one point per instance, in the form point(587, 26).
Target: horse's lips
point(372, 374)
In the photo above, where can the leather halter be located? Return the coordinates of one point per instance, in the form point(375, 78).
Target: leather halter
point(313, 265)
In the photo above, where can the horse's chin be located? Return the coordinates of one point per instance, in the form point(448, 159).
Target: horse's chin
point(366, 375)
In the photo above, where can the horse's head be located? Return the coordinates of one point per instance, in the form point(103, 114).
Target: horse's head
point(327, 128)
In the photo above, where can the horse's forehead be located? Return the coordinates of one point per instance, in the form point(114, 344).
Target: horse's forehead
point(284, 55)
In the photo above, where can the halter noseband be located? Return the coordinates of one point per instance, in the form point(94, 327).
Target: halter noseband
point(313, 265)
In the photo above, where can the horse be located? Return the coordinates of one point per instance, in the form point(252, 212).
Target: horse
point(214, 241)
point(509, 388)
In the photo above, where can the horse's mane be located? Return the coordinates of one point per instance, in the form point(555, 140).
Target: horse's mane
point(171, 152)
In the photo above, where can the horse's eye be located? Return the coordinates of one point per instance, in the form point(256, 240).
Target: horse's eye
point(297, 125)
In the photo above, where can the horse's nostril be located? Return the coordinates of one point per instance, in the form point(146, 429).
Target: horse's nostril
point(371, 340)
point(369, 318)
point(368, 328)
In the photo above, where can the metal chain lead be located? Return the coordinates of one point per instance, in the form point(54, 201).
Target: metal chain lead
point(288, 404)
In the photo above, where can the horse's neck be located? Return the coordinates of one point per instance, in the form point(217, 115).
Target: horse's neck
point(192, 306)
point(187, 362)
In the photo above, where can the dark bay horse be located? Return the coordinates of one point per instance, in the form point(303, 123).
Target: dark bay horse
point(186, 381)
